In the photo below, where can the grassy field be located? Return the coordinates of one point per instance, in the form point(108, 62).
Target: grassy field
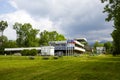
point(64, 68)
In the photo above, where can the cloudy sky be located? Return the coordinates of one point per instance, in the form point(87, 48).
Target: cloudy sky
point(72, 18)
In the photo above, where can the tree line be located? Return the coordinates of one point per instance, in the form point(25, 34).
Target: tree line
point(108, 46)
point(27, 36)
point(112, 7)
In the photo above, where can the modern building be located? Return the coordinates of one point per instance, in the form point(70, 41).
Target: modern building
point(47, 50)
point(18, 50)
point(100, 50)
point(68, 47)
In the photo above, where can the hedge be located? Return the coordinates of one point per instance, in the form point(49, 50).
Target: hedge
point(27, 52)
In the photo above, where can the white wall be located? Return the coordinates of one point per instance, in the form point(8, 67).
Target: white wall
point(47, 50)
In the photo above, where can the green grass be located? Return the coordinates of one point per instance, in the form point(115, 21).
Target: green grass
point(64, 68)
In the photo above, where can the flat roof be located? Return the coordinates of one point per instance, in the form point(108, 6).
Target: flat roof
point(19, 49)
point(81, 39)
point(57, 42)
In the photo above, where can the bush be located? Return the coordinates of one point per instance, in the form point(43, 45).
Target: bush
point(33, 52)
point(2, 50)
point(27, 52)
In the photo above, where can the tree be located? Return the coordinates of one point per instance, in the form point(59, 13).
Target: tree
point(113, 9)
point(10, 44)
point(4, 40)
point(54, 36)
point(47, 36)
point(26, 35)
point(17, 27)
point(44, 36)
point(97, 44)
point(31, 39)
point(108, 47)
point(3, 26)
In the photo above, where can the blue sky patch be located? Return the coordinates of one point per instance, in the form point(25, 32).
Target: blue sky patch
point(5, 7)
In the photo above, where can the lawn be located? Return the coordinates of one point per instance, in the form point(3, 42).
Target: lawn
point(64, 68)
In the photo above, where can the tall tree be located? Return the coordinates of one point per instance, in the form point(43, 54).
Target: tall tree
point(3, 26)
point(18, 26)
point(26, 35)
point(47, 36)
point(4, 40)
point(108, 47)
point(31, 39)
point(44, 38)
point(98, 44)
point(113, 9)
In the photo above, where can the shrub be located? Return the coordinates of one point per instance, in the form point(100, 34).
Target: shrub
point(25, 52)
point(1, 50)
point(33, 52)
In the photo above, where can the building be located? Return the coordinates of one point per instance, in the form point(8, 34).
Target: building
point(100, 50)
point(47, 50)
point(18, 50)
point(68, 47)
point(81, 40)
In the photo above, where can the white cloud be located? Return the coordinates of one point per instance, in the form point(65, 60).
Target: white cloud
point(13, 4)
point(57, 8)
point(24, 17)
point(73, 18)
